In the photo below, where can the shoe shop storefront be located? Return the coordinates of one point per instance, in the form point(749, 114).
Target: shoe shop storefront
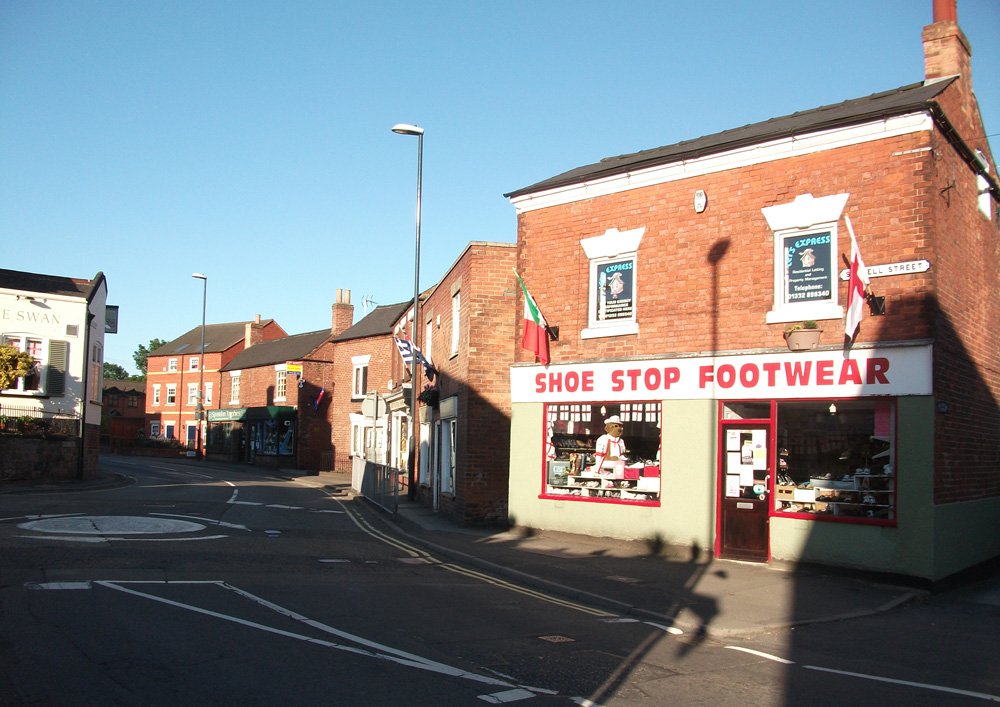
point(818, 456)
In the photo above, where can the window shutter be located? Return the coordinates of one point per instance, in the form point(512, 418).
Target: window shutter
point(55, 379)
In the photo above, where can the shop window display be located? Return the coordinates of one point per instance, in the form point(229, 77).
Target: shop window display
point(603, 452)
point(836, 459)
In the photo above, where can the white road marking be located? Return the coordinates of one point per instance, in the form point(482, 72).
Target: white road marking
point(762, 654)
point(106, 539)
point(210, 521)
point(922, 685)
point(514, 695)
point(372, 649)
point(58, 585)
point(102, 525)
point(673, 630)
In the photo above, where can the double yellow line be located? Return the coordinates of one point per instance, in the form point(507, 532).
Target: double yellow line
point(416, 552)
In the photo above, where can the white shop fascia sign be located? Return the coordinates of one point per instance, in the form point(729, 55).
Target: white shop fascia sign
point(815, 374)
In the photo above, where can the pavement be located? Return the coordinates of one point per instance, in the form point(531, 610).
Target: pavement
point(695, 594)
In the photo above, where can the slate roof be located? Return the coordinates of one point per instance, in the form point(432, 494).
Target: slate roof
point(125, 386)
point(900, 101)
point(218, 338)
point(48, 284)
point(268, 353)
point(381, 320)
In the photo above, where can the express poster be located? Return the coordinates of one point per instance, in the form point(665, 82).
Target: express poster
point(808, 268)
point(615, 288)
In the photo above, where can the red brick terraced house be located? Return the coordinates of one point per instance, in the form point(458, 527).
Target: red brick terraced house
point(467, 331)
point(123, 414)
point(365, 354)
point(175, 370)
point(673, 274)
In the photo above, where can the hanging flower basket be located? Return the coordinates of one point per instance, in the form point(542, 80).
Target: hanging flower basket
point(429, 397)
point(803, 337)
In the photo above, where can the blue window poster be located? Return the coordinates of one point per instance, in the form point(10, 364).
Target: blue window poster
point(808, 268)
point(615, 288)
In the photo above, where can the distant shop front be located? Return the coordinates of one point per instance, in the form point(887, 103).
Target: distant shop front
point(265, 436)
point(822, 456)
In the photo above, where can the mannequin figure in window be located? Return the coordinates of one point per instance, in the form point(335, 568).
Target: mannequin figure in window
point(610, 446)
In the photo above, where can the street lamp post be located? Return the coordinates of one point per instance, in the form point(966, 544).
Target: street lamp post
point(406, 129)
point(200, 410)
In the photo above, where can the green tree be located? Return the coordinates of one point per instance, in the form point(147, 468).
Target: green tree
point(142, 353)
point(114, 372)
point(14, 364)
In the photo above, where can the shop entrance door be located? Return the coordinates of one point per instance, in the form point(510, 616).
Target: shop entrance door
point(744, 488)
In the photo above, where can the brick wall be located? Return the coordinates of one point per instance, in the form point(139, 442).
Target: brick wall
point(967, 342)
point(479, 375)
point(685, 302)
point(380, 370)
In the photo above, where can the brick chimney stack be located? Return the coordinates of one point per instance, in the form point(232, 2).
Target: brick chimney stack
point(947, 52)
point(253, 333)
point(946, 49)
point(342, 312)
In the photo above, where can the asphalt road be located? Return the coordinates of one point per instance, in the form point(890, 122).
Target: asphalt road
point(203, 585)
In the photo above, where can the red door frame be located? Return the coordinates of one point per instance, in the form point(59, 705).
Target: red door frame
point(768, 423)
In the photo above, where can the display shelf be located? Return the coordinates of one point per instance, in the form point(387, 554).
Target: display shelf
point(871, 495)
point(589, 485)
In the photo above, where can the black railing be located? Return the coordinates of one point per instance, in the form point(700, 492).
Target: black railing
point(34, 422)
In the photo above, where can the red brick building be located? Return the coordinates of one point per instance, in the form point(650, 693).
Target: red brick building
point(175, 371)
point(274, 408)
point(672, 275)
point(123, 411)
point(363, 353)
point(467, 332)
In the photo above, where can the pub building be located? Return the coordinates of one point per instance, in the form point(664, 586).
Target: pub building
point(674, 283)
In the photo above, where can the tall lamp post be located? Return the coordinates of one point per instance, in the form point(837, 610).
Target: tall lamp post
point(407, 129)
point(200, 410)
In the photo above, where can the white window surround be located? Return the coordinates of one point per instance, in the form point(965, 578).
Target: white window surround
point(984, 198)
point(280, 381)
point(456, 311)
point(34, 383)
point(613, 244)
point(156, 394)
point(171, 364)
point(359, 376)
point(193, 363)
point(234, 386)
point(803, 216)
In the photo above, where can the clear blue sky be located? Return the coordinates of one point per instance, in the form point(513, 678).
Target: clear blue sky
point(251, 140)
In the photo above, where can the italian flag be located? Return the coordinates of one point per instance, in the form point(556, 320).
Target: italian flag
point(535, 337)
